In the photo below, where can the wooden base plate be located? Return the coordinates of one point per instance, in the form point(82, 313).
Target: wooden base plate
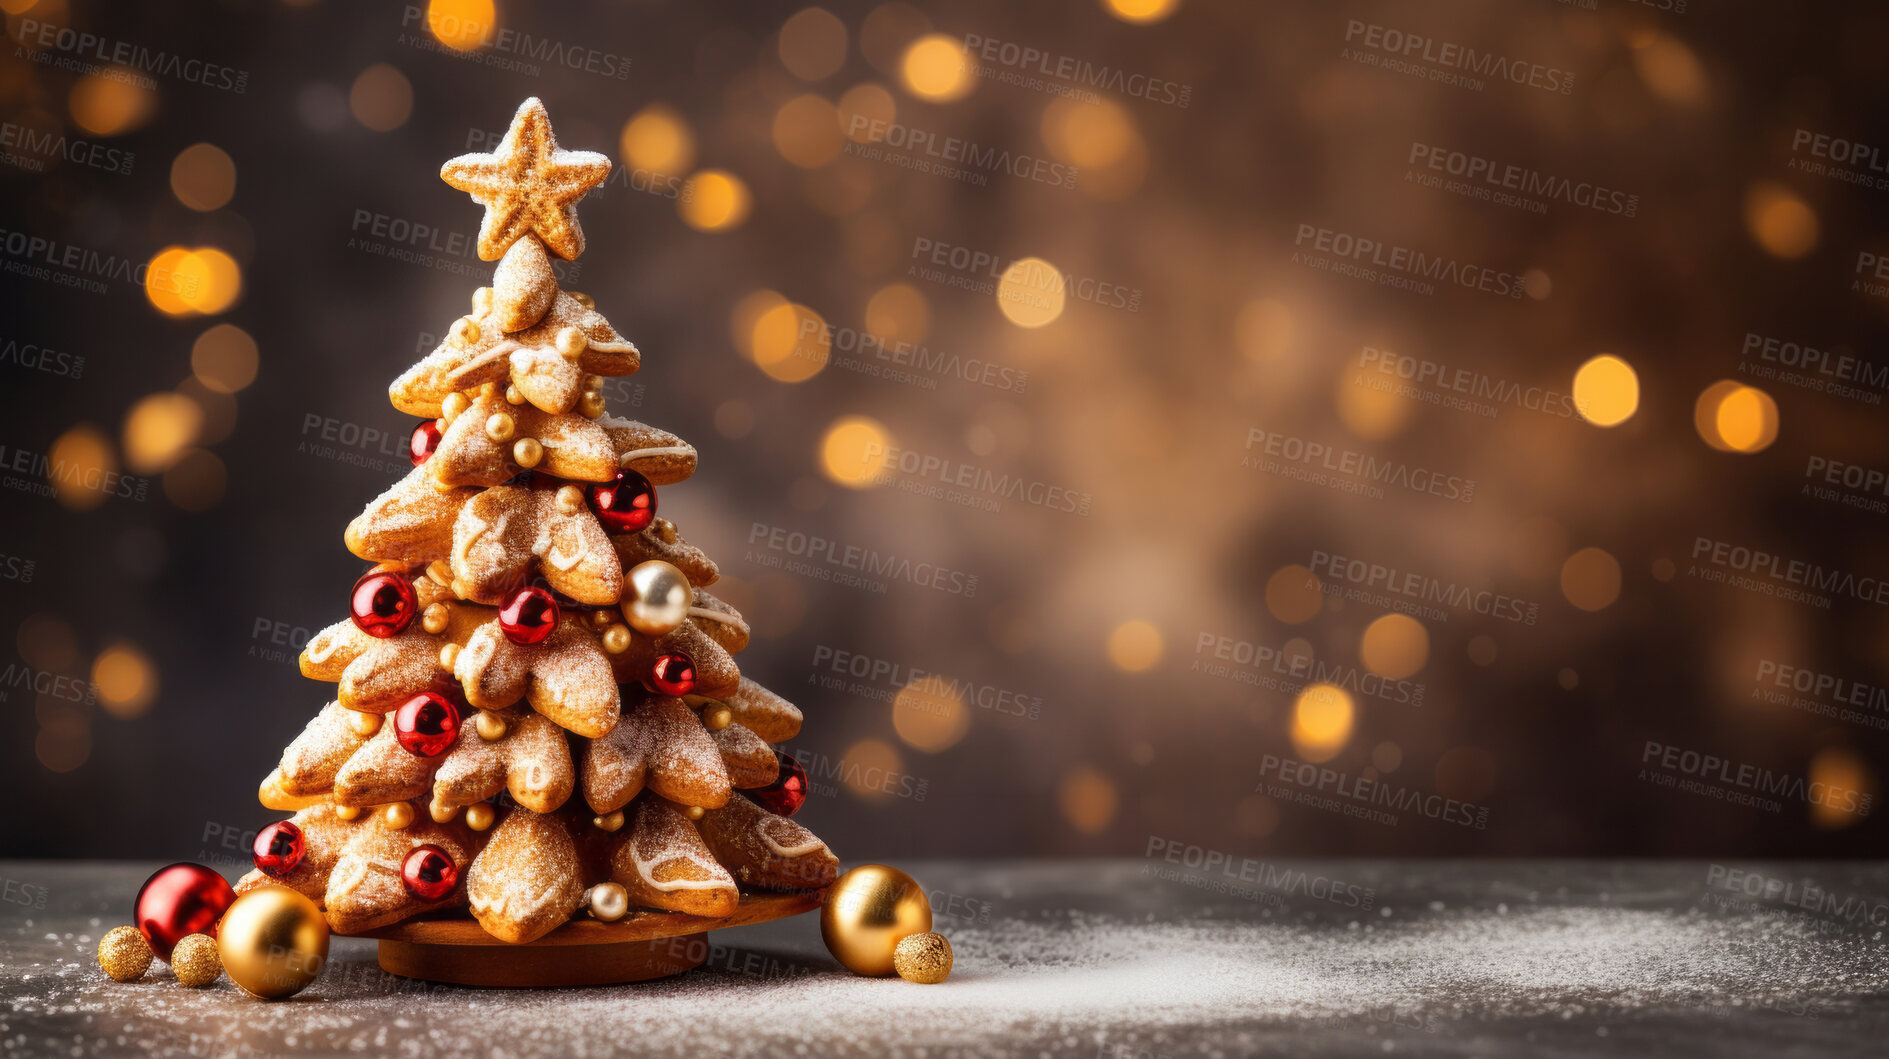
point(638, 947)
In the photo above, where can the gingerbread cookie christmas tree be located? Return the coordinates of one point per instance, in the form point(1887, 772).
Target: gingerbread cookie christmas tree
point(537, 708)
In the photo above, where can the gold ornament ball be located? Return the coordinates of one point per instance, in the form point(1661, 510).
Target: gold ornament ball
point(195, 961)
point(923, 958)
point(480, 816)
point(609, 901)
point(273, 942)
point(124, 954)
point(867, 913)
point(398, 815)
point(658, 599)
point(527, 452)
point(500, 427)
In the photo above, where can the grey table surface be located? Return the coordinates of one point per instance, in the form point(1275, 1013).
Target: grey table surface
point(1117, 958)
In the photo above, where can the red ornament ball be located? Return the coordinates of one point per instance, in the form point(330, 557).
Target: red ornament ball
point(787, 793)
point(178, 901)
point(427, 724)
point(529, 616)
point(278, 849)
point(672, 674)
point(428, 873)
point(626, 505)
point(425, 439)
point(383, 603)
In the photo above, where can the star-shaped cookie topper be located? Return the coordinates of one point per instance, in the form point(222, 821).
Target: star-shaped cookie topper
point(528, 185)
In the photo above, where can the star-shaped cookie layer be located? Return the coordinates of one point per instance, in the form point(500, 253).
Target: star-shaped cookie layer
point(528, 185)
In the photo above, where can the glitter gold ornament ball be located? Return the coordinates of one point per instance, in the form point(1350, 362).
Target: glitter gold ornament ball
point(868, 912)
point(923, 958)
point(195, 961)
point(124, 954)
point(273, 941)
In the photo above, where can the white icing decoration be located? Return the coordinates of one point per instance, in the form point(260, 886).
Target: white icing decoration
point(801, 850)
point(498, 350)
point(643, 869)
point(322, 647)
point(668, 450)
point(712, 615)
point(553, 551)
point(474, 657)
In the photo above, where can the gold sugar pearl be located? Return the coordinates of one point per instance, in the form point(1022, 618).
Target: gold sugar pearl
point(593, 383)
point(718, 718)
point(666, 530)
point(572, 342)
point(435, 617)
point(590, 405)
point(454, 404)
point(582, 299)
point(365, 724)
point(488, 390)
point(480, 816)
point(611, 822)
point(398, 815)
point(491, 727)
point(922, 958)
point(464, 333)
point(570, 500)
point(440, 572)
point(195, 961)
point(513, 395)
point(616, 639)
point(694, 812)
point(500, 427)
point(347, 812)
point(526, 452)
point(441, 813)
point(607, 901)
point(603, 618)
point(124, 954)
point(449, 657)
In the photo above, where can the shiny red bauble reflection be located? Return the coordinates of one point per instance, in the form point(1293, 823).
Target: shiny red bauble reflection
point(383, 603)
point(427, 724)
point(178, 901)
point(672, 674)
point(278, 849)
point(425, 439)
point(624, 505)
point(428, 873)
point(529, 616)
point(787, 793)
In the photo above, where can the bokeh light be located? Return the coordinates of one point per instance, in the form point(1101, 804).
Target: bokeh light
point(158, 429)
point(659, 140)
point(813, 44)
point(873, 769)
point(83, 468)
point(887, 31)
point(46, 642)
point(790, 343)
point(1141, 12)
point(1670, 70)
point(936, 67)
point(126, 680)
point(203, 177)
point(180, 281)
point(1606, 390)
point(852, 451)
point(1395, 646)
point(1088, 799)
point(714, 200)
point(1847, 785)
point(929, 715)
point(1733, 417)
point(1780, 221)
point(225, 358)
point(111, 100)
point(1591, 579)
point(898, 313)
point(381, 98)
point(462, 25)
point(1263, 329)
point(1371, 412)
point(1031, 292)
point(1294, 594)
point(807, 131)
point(864, 107)
point(1135, 646)
point(1321, 721)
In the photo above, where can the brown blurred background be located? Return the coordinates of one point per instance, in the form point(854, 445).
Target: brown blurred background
point(1291, 428)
